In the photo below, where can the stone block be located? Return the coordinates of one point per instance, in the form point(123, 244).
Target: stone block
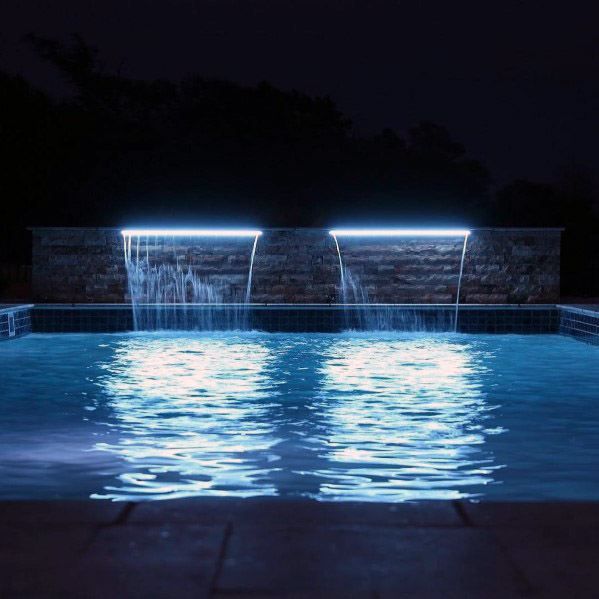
point(79, 265)
point(364, 561)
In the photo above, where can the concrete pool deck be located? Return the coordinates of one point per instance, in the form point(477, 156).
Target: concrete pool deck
point(300, 548)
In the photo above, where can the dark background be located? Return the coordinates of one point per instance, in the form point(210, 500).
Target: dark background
point(140, 113)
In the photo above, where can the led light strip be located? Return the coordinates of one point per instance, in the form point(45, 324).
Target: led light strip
point(190, 233)
point(399, 232)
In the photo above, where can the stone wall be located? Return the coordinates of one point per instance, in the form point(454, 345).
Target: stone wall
point(78, 265)
point(512, 266)
point(302, 266)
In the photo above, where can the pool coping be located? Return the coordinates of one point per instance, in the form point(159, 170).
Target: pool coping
point(6, 308)
point(579, 322)
point(580, 309)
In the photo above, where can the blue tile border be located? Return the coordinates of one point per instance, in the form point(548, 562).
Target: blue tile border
point(534, 319)
point(580, 322)
point(509, 319)
point(15, 321)
point(53, 318)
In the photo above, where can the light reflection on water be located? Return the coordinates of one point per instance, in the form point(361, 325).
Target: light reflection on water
point(407, 419)
point(191, 414)
point(356, 417)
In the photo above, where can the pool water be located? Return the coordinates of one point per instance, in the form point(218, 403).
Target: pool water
point(375, 417)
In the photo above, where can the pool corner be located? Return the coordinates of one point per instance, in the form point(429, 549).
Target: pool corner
point(15, 320)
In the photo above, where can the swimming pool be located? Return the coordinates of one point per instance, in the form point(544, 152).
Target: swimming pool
point(352, 416)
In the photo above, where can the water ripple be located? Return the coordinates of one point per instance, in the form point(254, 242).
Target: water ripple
point(361, 416)
point(330, 417)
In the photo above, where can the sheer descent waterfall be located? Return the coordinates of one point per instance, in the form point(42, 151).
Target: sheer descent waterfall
point(361, 314)
point(169, 289)
point(457, 298)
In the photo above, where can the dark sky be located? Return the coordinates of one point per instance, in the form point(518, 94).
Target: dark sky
point(516, 81)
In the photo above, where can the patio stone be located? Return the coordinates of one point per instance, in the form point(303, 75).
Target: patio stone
point(276, 512)
point(35, 559)
point(193, 511)
point(532, 514)
point(307, 561)
point(295, 548)
point(150, 561)
point(60, 512)
point(559, 562)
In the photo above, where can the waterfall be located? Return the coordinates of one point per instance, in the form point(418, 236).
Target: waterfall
point(168, 291)
point(361, 314)
point(341, 270)
point(457, 297)
point(248, 291)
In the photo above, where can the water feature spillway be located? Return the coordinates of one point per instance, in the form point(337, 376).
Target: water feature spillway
point(363, 312)
point(457, 296)
point(176, 279)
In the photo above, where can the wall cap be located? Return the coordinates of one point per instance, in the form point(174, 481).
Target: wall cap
point(309, 229)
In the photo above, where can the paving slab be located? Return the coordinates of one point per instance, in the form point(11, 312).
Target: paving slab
point(270, 512)
point(34, 558)
point(60, 512)
point(273, 511)
point(298, 548)
point(559, 562)
point(411, 562)
point(23, 580)
point(150, 561)
point(44, 542)
point(199, 510)
point(531, 514)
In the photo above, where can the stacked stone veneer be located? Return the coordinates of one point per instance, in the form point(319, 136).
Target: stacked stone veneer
point(301, 266)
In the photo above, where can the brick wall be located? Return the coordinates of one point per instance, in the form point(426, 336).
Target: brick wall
point(301, 266)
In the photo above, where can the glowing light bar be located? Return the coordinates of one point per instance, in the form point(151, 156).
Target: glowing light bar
point(399, 232)
point(191, 232)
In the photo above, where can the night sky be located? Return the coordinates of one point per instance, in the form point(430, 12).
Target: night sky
point(516, 82)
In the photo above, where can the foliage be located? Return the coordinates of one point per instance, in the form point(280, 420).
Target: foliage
point(121, 151)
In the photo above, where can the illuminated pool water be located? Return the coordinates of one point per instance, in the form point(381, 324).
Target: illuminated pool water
point(389, 417)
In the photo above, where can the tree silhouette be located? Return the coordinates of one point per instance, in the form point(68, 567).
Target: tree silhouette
point(121, 151)
point(217, 148)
